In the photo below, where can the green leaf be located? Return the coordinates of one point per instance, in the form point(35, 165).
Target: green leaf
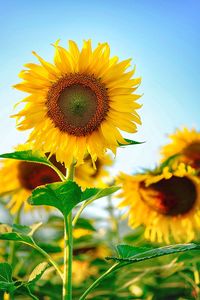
point(127, 251)
point(94, 193)
point(19, 233)
point(17, 237)
point(85, 224)
point(21, 229)
point(88, 193)
point(38, 272)
point(27, 155)
point(6, 282)
point(5, 272)
point(62, 195)
point(129, 254)
point(130, 142)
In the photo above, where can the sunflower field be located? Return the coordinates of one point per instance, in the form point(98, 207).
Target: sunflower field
point(71, 228)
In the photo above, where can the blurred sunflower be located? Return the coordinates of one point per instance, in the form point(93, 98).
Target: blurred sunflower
point(80, 103)
point(185, 142)
point(88, 176)
point(167, 204)
point(19, 178)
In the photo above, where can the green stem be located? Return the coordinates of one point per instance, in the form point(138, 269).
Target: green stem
point(114, 221)
point(60, 174)
point(12, 243)
point(96, 282)
point(84, 204)
point(68, 247)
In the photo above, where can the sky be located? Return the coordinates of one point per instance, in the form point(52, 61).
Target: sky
point(162, 38)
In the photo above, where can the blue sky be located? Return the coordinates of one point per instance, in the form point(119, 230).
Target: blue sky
point(162, 37)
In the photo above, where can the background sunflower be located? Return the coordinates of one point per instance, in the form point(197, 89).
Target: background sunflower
point(186, 143)
point(166, 203)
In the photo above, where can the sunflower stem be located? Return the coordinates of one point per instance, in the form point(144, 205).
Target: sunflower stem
point(96, 282)
point(12, 243)
point(68, 246)
point(84, 204)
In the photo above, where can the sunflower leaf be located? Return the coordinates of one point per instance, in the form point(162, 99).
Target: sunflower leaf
point(17, 237)
point(129, 143)
point(130, 254)
point(62, 195)
point(127, 251)
point(27, 155)
point(95, 193)
point(37, 273)
point(6, 282)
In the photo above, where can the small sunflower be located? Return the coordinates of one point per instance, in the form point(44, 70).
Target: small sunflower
point(19, 178)
point(167, 204)
point(185, 142)
point(80, 103)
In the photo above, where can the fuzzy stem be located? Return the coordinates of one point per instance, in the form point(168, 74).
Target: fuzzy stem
point(96, 282)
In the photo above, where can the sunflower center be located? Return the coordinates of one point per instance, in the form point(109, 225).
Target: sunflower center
point(192, 152)
point(32, 175)
point(172, 197)
point(77, 104)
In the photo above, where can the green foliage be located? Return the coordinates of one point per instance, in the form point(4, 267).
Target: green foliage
point(6, 282)
point(92, 194)
point(38, 272)
point(62, 195)
point(20, 233)
point(27, 155)
point(132, 254)
point(66, 195)
point(127, 251)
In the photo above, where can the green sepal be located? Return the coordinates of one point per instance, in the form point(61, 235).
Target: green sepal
point(130, 142)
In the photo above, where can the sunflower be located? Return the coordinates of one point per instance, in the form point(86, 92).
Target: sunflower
point(185, 142)
point(167, 204)
point(86, 175)
point(80, 103)
point(19, 178)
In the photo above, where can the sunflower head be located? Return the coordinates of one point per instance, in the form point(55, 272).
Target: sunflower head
point(90, 175)
point(167, 204)
point(19, 178)
point(78, 104)
point(186, 143)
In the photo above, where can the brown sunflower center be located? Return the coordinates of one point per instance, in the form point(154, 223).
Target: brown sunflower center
point(192, 153)
point(77, 104)
point(32, 175)
point(172, 197)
